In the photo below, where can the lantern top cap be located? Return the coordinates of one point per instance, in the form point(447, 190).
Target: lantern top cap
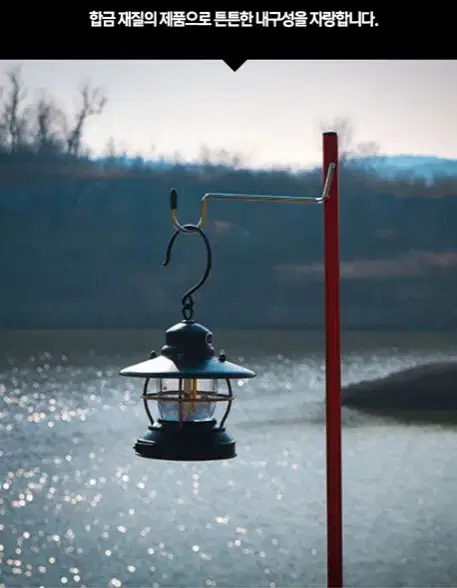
point(188, 342)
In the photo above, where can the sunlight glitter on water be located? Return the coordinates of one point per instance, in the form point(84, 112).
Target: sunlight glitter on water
point(79, 509)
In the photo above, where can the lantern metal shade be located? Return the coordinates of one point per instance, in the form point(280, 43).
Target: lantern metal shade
point(214, 368)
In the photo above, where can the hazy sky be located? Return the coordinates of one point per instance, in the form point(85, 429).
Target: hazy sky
point(269, 110)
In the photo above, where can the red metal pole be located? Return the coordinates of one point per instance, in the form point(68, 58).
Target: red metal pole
point(333, 369)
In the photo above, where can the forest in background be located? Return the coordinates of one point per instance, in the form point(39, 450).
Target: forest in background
point(83, 238)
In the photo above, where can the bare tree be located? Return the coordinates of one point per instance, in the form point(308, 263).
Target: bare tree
point(221, 157)
point(177, 157)
point(205, 155)
point(348, 147)
point(368, 149)
point(110, 151)
point(238, 160)
point(13, 118)
point(93, 102)
point(3, 133)
point(47, 121)
point(345, 130)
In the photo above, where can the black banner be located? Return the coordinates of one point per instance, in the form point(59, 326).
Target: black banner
point(144, 32)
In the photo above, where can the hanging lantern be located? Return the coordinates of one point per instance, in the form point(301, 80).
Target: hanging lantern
point(188, 378)
point(189, 383)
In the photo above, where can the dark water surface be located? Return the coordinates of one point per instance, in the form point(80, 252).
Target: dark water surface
point(77, 508)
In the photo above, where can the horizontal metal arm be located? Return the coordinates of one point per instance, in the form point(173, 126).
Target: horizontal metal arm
point(249, 198)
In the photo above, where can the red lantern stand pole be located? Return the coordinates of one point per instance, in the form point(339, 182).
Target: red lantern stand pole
point(333, 369)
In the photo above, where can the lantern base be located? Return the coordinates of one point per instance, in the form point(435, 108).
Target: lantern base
point(188, 441)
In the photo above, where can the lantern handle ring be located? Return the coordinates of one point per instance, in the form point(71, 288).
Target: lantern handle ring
point(187, 299)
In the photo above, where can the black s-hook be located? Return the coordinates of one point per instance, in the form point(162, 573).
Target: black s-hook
point(187, 300)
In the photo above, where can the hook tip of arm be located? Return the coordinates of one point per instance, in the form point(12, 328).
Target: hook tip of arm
point(173, 200)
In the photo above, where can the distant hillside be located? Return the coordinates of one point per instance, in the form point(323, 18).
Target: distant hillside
point(83, 243)
point(428, 167)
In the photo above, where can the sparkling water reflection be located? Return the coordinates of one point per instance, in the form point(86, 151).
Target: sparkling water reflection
point(77, 508)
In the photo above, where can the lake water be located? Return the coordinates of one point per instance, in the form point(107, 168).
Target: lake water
point(78, 508)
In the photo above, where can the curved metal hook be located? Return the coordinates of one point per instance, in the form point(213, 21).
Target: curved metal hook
point(174, 219)
point(331, 170)
point(187, 298)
